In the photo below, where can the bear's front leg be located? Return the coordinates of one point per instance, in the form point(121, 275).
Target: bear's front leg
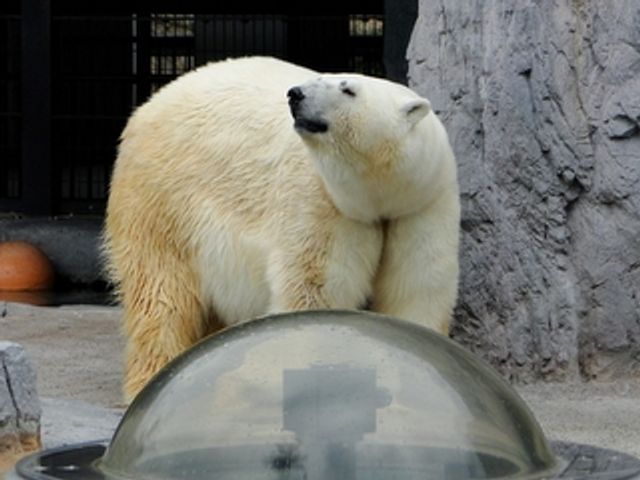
point(162, 317)
point(332, 267)
point(418, 275)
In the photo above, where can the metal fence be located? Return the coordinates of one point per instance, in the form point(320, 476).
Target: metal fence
point(103, 66)
point(10, 132)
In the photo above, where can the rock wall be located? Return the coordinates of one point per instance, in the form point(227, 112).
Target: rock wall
point(19, 405)
point(542, 104)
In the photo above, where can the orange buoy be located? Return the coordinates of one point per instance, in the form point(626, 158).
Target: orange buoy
point(24, 267)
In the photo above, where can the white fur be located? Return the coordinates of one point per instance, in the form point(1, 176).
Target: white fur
point(220, 208)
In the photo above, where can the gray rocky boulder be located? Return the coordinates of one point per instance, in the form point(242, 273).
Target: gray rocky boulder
point(19, 405)
point(542, 104)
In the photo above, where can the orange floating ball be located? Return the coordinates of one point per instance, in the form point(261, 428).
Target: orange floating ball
point(24, 267)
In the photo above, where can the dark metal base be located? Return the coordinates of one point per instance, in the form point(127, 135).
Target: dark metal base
point(595, 463)
point(72, 462)
point(77, 462)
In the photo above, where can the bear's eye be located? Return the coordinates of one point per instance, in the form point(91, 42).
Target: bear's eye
point(344, 88)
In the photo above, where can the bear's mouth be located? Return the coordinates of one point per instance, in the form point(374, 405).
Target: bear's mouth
point(309, 125)
point(303, 122)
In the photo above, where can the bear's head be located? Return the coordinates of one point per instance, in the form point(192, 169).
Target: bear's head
point(355, 105)
point(370, 139)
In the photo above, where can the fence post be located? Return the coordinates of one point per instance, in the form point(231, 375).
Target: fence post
point(37, 191)
point(143, 56)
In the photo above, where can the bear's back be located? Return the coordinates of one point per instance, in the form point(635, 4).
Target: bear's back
point(251, 88)
point(216, 143)
point(218, 121)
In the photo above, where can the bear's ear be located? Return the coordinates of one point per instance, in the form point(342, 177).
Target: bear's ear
point(416, 109)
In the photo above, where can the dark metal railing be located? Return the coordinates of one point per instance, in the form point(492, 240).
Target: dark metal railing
point(103, 66)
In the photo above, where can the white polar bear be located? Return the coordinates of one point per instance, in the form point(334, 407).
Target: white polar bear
point(221, 210)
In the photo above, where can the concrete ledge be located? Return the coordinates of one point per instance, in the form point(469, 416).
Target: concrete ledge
point(72, 244)
point(72, 421)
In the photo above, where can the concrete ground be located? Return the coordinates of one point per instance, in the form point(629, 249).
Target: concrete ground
point(76, 349)
point(77, 352)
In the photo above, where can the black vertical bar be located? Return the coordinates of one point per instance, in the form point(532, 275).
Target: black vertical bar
point(36, 107)
point(292, 43)
point(143, 56)
point(399, 19)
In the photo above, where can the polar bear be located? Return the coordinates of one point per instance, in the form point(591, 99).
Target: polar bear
point(252, 186)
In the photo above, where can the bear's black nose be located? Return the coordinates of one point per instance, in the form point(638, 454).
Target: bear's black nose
point(295, 95)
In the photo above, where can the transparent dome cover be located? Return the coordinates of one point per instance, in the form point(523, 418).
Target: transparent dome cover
point(327, 395)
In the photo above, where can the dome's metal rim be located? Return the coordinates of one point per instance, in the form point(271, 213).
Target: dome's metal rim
point(25, 468)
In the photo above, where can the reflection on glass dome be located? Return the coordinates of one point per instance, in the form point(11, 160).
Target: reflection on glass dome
point(327, 395)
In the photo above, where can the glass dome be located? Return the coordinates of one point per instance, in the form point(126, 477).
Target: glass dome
point(327, 395)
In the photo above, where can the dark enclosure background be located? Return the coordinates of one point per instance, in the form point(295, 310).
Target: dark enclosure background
point(70, 75)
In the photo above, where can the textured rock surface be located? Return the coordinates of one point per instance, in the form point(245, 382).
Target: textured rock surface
point(542, 104)
point(19, 404)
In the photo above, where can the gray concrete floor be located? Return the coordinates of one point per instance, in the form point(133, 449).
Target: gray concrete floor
point(77, 352)
point(76, 349)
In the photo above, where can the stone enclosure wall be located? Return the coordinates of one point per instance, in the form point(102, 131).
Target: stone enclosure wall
point(541, 100)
